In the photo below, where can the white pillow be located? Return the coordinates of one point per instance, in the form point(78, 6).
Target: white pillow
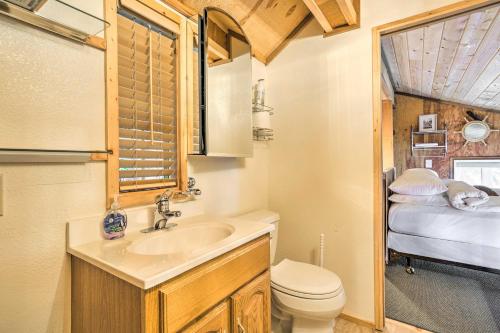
point(418, 182)
point(438, 200)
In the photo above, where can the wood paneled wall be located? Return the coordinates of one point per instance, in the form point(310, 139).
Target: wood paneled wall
point(387, 134)
point(451, 115)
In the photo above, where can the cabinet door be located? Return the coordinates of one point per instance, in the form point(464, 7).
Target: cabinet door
point(216, 321)
point(251, 306)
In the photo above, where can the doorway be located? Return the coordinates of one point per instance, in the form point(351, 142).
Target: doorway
point(378, 123)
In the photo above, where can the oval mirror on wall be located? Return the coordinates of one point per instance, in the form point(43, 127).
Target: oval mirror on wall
point(476, 131)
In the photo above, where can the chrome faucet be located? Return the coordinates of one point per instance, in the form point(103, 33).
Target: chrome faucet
point(164, 212)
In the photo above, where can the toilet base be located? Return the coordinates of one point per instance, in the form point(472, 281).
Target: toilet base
point(304, 325)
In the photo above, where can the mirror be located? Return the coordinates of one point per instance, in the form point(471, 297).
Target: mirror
point(476, 131)
point(225, 64)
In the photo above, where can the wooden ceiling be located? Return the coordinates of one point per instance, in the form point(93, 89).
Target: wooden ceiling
point(455, 60)
point(271, 24)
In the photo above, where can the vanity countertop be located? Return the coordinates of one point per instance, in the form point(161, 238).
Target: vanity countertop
point(148, 270)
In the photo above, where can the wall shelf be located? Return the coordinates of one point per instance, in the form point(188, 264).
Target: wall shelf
point(261, 133)
point(59, 18)
point(441, 148)
point(20, 155)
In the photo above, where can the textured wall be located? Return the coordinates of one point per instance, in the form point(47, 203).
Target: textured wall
point(451, 115)
point(52, 96)
point(321, 162)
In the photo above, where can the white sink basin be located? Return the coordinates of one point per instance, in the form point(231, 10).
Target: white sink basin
point(181, 239)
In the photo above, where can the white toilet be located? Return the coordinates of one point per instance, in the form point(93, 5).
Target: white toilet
point(306, 296)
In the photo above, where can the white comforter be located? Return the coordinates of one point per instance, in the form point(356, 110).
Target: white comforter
point(447, 223)
point(466, 197)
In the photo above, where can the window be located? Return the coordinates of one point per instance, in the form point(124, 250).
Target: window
point(145, 107)
point(147, 76)
point(478, 171)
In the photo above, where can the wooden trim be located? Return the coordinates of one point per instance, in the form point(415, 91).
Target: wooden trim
point(433, 15)
point(319, 15)
point(182, 105)
point(348, 27)
point(288, 39)
point(97, 42)
point(347, 9)
point(356, 320)
point(181, 7)
point(139, 7)
point(436, 100)
point(387, 88)
point(379, 268)
point(161, 9)
point(378, 201)
point(111, 87)
point(99, 157)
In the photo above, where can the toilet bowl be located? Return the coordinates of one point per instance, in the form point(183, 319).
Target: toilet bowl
point(306, 297)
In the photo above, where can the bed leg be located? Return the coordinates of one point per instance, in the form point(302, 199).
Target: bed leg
point(409, 268)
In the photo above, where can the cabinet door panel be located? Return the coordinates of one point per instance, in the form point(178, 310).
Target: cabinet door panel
point(199, 290)
point(252, 306)
point(216, 321)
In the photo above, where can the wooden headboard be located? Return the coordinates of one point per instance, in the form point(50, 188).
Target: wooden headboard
point(388, 177)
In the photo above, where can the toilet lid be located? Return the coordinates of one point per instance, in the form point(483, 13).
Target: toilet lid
point(305, 280)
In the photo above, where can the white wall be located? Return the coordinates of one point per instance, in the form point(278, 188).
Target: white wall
point(52, 96)
point(320, 174)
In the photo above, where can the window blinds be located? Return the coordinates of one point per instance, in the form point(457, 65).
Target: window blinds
point(147, 90)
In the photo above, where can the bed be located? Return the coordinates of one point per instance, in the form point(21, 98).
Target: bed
point(442, 234)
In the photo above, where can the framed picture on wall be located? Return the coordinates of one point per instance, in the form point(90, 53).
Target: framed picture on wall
point(427, 123)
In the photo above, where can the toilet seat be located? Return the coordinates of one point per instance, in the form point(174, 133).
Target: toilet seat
point(305, 281)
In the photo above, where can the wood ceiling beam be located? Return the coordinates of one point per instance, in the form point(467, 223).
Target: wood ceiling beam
point(181, 7)
point(319, 15)
point(287, 40)
point(347, 9)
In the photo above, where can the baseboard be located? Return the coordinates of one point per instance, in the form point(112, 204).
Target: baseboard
point(357, 320)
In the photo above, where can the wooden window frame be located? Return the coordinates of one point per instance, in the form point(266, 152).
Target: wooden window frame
point(166, 17)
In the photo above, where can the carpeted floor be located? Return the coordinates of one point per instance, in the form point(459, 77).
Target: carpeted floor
point(443, 298)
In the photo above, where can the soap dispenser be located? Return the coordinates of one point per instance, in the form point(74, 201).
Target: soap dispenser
point(115, 221)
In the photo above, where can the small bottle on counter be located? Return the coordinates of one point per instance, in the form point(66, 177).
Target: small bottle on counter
point(115, 221)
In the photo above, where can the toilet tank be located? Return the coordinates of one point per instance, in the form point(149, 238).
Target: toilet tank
point(265, 216)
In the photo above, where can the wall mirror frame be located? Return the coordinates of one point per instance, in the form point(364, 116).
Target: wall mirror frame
point(476, 131)
point(225, 86)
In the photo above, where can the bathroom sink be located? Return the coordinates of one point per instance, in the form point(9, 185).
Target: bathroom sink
point(182, 239)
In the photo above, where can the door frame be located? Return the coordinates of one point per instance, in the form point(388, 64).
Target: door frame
point(426, 17)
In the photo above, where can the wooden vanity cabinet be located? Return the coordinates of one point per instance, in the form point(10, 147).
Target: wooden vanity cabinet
point(250, 306)
point(217, 320)
point(230, 293)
